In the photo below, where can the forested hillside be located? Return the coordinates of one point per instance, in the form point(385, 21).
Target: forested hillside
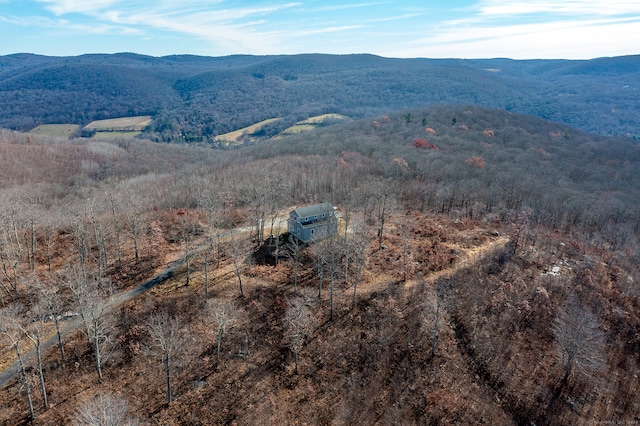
point(485, 270)
point(193, 99)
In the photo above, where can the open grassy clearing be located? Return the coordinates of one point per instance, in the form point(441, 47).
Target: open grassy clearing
point(115, 135)
point(299, 128)
point(312, 123)
point(55, 130)
point(120, 124)
point(319, 119)
point(238, 136)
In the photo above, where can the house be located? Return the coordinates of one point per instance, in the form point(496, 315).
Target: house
point(313, 222)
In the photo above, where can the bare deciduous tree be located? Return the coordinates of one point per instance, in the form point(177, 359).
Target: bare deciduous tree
point(407, 258)
point(222, 315)
point(211, 202)
point(10, 254)
point(238, 253)
point(581, 342)
point(319, 249)
point(91, 299)
point(299, 322)
point(105, 410)
point(134, 219)
point(49, 231)
point(521, 229)
point(51, 302)
point(188, 226)
point(165, 342)
point(274, 239)
point(32, 328)
point(14, 335)
point(384, 201)
point(358, 246)
point(294, 253)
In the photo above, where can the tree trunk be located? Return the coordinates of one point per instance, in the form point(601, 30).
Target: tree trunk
point(331, 298)
point(295, 279)
point(320, 277)
point(355, 289)
point(56, 321)
point(25, 382)
point(96, 348)
point(239, 275)
point(136, 250)
point(168, 373)
point(206, 275)
point(33, 245)
point(188, 264)
point(219, 340)
point(43, 389)
point(49, 256)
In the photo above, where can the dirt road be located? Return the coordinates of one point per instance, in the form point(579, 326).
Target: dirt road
point(75, 323)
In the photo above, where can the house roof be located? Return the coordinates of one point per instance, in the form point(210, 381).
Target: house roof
point(313, 210)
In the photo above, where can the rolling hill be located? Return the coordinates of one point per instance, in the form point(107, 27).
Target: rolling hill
point(195, 99)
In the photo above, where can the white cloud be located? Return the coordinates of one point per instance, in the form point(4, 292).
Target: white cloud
point(62, 7)
point(576, 8)
point(558, 39)
point(576, 29)
point(508, 28)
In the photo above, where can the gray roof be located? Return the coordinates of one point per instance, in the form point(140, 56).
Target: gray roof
point(315, 209)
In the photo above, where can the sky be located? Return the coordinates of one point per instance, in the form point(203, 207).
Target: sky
point(527, 29)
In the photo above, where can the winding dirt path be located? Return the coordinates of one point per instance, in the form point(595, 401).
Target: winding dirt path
point(467, 258)
point(75, 323)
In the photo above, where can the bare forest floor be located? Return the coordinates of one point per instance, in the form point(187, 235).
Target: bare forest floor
point(377, 362)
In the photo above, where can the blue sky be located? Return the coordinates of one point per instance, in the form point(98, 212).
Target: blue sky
point(574, 29)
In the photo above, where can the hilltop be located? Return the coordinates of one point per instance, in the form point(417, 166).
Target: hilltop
point(471, 241)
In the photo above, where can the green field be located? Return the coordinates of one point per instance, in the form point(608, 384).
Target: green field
point(115, 135)
point(124, 124)
point(312, 123)
point(237, 137)
point(55, 130)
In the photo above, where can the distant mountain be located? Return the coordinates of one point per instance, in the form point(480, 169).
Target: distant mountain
point(195, 98)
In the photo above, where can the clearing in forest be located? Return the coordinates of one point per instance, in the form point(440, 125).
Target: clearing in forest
point(123, 124)
point(55, 130)
point(312, 123)
point(237, 136)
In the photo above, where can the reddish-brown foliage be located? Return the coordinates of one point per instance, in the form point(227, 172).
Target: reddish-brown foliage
point(476, 162)
point(421, 143)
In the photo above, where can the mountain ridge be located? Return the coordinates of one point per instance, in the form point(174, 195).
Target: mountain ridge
point(206, 96)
